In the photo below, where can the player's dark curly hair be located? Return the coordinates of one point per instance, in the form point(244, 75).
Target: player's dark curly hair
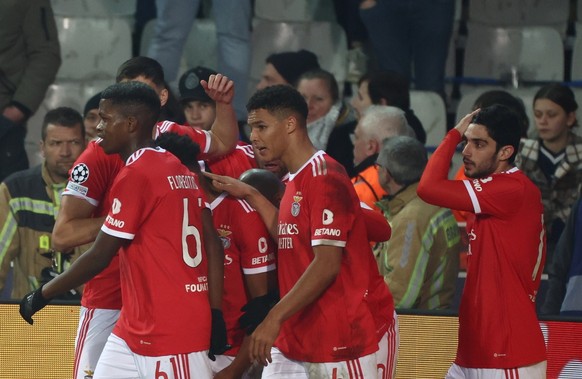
point(280, 100)
point(134, 99)
point(503, 126)
point(182, 147)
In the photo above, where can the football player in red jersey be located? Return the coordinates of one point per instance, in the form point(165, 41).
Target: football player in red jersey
point(499, 334)
point(85, 203)
point(171, 267)
point(323, 253)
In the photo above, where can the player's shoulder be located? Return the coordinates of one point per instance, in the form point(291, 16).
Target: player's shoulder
point(321, 165)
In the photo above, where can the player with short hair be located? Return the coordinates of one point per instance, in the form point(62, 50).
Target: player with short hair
point(323, 253)
point(499, 333)
point(86, 202)
point(171, 260)
point(249, 260)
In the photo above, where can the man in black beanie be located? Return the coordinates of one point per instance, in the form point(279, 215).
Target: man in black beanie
point(287, 67)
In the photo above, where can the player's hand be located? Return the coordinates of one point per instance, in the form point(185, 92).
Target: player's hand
point(219, 88)
point(462, 126)
point(262, 340)
point(218, 341)
point(32, 303)
point(256, 310)
point(233, 186)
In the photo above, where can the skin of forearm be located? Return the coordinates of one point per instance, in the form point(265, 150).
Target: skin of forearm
point(71, 234)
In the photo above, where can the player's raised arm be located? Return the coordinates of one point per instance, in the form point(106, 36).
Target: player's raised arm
point(224, 130)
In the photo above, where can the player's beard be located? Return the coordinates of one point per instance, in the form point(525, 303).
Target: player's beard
point(481, 170)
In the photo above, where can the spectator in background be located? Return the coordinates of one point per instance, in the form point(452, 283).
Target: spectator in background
point(420, 262)
point(91, 117)
point(29, 203)
point(554, 160)
point(30, 57)
point(199, 109)
point(378, 123)
point(233, 30)
point(564, 295)
point(378, 88)
point(407, 34)
point(326, 109)
point(286, 68)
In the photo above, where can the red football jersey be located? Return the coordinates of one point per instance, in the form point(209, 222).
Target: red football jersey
point(90, 179)
point(248, 250)
point(320, 207)
point(498, 326)
point(164, 271)
point(200, 136)
point(242, 158)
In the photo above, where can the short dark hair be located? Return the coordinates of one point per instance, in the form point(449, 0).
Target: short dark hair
point(141, 66)
point(280, 100)
point(390, 86)
point(503, 126)
point(62, 116)
point(327, 77)
point(502, 97)
point(134, 99)
point(267, 183)
point(182, 147)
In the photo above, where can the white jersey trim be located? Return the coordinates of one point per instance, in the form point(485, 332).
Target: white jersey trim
point(216, 202)
point(259, 270)
point(309, 162)
point(326, 242)
point(208, 141)
point(473, 196)
point(68, 192)
point(117, 233)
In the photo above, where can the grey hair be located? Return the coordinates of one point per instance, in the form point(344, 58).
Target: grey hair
point(383, 121)
point(404, 157)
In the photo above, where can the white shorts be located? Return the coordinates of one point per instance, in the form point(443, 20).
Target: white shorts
point(387, 354)
point(285, 368)
point(119, 362)
point(95, 326)
point(223, 361)
point(537, 371)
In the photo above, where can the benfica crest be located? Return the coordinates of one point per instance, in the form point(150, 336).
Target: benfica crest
point(224, 236)
point(296, 207)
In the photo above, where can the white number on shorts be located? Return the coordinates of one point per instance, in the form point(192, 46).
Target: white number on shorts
point(190, 230)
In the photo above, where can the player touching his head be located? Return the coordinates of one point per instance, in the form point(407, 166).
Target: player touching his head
point(499, 333)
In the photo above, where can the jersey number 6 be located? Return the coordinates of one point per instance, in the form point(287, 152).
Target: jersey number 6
point(190, 230)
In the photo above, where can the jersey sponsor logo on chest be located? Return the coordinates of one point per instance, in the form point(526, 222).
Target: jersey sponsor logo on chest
point(327, 232)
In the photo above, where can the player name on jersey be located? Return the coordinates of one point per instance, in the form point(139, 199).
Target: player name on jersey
point(182, 182)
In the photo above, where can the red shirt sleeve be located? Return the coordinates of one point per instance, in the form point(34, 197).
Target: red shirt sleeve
point(435, 187)
point(377, 226)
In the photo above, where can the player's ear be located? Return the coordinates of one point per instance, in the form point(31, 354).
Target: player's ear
point(291, 124)
point(505, 152)
point(132, 124)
